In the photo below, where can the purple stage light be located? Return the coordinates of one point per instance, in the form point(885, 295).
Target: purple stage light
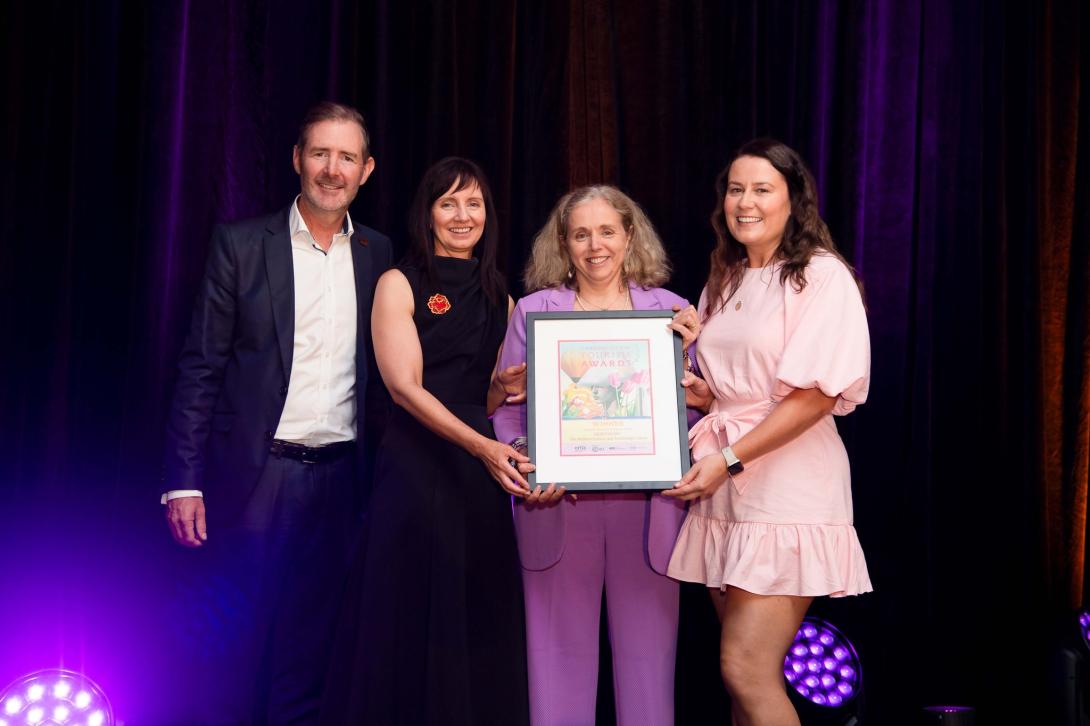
point(822, 666)
point(1084, 627)
point(949, 709)
point(949, 715)
point(55, 697)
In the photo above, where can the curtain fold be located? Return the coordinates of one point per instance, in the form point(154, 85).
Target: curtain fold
point(1062, 438)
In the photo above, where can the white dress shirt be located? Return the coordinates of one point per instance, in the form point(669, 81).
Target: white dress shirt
point(321, 404)
point(320, 407)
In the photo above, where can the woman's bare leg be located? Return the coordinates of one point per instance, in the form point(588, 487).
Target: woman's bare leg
point(757, 630)
point(719, 601)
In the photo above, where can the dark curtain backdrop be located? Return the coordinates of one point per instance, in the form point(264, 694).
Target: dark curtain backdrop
point(945, 137)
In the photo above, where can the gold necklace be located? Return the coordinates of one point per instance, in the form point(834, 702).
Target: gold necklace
point(738, 305)
point(587, 307)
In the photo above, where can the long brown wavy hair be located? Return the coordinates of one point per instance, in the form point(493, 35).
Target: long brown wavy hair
point(805, 233)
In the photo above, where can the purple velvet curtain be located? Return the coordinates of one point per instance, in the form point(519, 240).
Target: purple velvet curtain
point(944, 137)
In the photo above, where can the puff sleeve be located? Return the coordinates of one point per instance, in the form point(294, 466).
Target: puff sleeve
point(827, 341)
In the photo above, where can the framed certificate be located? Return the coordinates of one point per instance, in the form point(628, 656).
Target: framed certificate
point(605, 406)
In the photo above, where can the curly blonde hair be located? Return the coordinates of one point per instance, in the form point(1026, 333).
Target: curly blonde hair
point(645, 262)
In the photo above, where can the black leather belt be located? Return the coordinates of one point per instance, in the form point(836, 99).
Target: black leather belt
point(311, 454)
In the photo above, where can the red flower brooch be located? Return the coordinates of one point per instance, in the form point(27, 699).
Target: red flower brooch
point(438, 304)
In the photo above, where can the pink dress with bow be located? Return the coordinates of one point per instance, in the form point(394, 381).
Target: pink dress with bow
point(784, 525)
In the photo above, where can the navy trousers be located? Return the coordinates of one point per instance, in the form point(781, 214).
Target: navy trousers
point(278, 577)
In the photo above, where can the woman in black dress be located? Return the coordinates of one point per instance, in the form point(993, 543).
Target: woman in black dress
point(433, 629)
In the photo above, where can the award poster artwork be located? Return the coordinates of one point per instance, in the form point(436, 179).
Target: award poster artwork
point(605, 398)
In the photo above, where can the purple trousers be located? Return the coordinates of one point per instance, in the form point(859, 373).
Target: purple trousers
point(604, 546)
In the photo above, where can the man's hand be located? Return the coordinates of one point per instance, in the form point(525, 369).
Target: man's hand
point(185, 517)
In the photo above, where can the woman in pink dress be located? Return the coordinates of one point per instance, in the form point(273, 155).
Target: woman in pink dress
point(784, 347)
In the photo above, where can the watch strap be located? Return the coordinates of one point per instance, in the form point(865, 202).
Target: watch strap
point(734, 464)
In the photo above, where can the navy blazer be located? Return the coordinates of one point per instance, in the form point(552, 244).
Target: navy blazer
point(234, 368)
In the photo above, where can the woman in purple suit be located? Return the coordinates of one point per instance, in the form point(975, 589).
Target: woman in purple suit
point(598, 251)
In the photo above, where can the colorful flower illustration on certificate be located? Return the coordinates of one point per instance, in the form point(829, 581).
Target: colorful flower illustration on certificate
point(605, 398)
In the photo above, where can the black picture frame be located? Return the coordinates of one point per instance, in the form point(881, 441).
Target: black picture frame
point(665, 385)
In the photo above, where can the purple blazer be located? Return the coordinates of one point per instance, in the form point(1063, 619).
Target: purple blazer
point(540, 530)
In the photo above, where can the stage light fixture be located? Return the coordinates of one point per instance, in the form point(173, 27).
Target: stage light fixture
point(55, 697)
point(950, 715)
point(1071, 671)
point(822, 665)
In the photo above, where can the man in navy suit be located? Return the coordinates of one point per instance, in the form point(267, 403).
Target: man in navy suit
point(267, 423)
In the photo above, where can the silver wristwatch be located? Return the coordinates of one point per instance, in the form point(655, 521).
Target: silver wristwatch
point(734, 464)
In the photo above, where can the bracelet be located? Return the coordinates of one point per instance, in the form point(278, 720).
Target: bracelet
point(688, 361)
point(519, 442)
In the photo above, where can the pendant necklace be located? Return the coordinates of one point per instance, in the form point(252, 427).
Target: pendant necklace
point(587, 307)
point(741, 300)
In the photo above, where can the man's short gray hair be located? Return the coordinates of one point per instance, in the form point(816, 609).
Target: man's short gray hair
point(330, 111)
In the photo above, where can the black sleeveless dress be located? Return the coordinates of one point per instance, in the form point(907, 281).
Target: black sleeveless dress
point(433, 631)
